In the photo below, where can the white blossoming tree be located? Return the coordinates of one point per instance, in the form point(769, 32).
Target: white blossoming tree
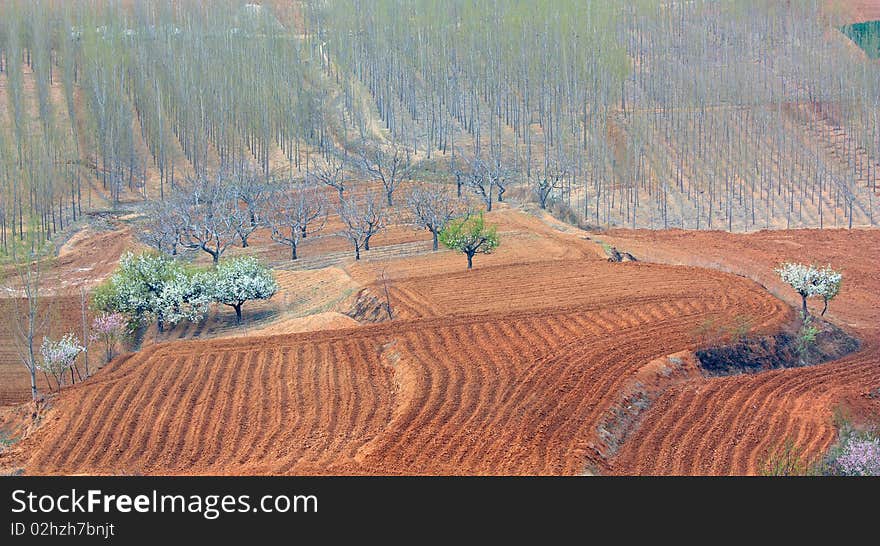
point(828, 285)
point(153, 286)
point(810, 281)
point(57, 357)
point(239, 280)
point(185, 294)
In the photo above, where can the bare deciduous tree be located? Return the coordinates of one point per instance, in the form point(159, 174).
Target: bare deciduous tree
point(432, 207)
point(362, 218)
point(162, 226)
point(390, 166)
point(331, 174)
point(252, 189)
point(29, 315)
point(210, 216)
point(551, 181)
point(294, 212)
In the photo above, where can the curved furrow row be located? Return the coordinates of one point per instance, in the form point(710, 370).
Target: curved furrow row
point(100, 433)
point(231, 367)
point(180, 419)
point(248, 425)
point(160, 410)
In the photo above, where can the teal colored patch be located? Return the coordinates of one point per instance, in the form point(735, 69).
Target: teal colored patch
point(866, 35)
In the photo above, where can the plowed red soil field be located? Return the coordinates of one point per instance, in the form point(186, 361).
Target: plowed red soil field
point(511, 368)
point(513, 384)
point(729, 425)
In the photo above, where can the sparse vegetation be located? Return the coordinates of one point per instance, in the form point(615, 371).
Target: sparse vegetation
point(788, 459)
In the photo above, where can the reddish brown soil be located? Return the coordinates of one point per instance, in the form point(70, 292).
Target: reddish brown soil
point(515, 385)
point(728, 425)
point(858, 10)
point(511, 368)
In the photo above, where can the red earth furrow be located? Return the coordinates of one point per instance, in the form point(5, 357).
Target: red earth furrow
point(740, 418)
point(311, 436)
point(189, 413)
point(280, 395)
point(245, 426)
point(805, 388)
point(443, 421)
point(805, 385)
point(356, 404)
point(431, 424)
point(611, 372)
point(265, 420)
point(774, 394)
point(684, 430)
point(493, 379)
point(101, 432)
point(97, 396)
point(345, 413)
point(330, 415)
point(470, 393)
point(231, 367)
point(374, 413)
point(511, 373)
point(189, 442)
point(303, 359)
point(134, 440)
point(419, 383)
point(772, 391)
point(104, 384)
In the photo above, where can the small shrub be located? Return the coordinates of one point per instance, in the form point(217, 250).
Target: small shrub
point(805, 339)
point(789, 460)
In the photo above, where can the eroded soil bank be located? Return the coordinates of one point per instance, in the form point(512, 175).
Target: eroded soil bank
point(784, 349)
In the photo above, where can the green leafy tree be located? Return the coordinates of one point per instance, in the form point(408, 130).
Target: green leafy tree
point(470, 235)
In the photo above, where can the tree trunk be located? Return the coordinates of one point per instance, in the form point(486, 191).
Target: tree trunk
point(388, 195)
point(470, 258)
point(33, 371)
point(824, 307)
point(434, 236)
point(237, 308)
point(357, 252)
point(805, 311)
